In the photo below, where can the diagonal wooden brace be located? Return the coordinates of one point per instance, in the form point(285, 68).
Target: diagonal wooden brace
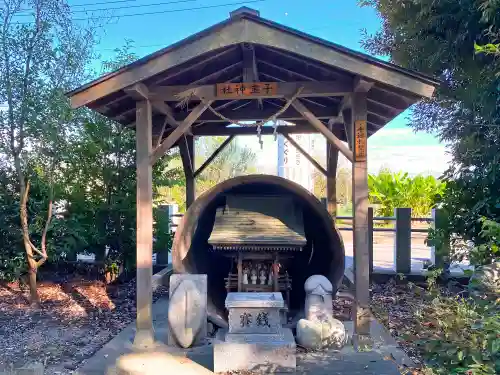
point(178, 131)
point(309, 116)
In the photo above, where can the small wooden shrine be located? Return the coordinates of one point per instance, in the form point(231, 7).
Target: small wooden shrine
point(260, 234)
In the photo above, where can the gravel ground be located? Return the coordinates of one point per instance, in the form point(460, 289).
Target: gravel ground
point(76, 319)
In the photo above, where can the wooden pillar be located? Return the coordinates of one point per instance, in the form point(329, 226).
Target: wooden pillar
point(332, 157)
point(240, 271)
point(186, 148)
point(359, 135)
point(144, 336)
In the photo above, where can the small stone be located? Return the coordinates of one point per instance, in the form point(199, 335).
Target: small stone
point(321, 334)
point(70, 365)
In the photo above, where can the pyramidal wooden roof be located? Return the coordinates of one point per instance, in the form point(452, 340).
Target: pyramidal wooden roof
point(263, 221)
point(247, 45)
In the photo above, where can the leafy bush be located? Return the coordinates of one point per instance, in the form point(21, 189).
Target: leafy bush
point(461, 336)
point(390, 190)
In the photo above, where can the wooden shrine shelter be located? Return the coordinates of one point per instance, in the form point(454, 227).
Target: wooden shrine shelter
point(248, 68)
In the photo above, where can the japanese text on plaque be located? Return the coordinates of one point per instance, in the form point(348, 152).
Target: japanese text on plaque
point(246, 89)
point(360, 144)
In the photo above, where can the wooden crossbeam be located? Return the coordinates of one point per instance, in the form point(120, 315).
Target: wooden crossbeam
point(244, 112)
point(306, 155)
point(213, 156)
point(209, 92)
point(221, 130)
point(314, 121)
point(179, 131)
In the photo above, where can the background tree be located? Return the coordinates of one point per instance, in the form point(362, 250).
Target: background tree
point(234, 161)
point(438, 37)
point(40, 57)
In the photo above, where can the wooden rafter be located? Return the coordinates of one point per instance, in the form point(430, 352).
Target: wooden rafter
point(216, 74)
point(195, 66)
point(325, 70)
point(305, 154)
point(291, 73)
point(213, 156)
point(276, 79)
point(309, 116)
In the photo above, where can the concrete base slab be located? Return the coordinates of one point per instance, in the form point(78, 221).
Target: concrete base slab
point(154, 363)
point(259, 353)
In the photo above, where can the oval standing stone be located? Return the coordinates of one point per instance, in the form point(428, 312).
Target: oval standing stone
point(185, 315)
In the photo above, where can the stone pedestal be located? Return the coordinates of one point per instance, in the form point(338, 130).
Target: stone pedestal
point(256, 340)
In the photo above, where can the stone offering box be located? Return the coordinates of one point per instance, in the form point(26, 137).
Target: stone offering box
point(256, 340)
point(254, 312)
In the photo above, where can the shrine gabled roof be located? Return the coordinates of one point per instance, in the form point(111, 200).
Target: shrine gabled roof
point(281, 54)
point(259, 221)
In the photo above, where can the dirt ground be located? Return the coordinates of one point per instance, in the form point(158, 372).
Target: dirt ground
point(76, 319)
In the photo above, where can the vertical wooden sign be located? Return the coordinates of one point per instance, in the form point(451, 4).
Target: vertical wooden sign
point(360, 140)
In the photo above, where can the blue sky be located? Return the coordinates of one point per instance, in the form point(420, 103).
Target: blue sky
point(340, 21)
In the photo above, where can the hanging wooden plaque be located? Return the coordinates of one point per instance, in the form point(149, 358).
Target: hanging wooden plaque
point(249, 89)
point(361, 140)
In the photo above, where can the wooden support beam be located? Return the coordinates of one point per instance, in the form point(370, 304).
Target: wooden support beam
point(179, 131)
point(138, 91)
point(223, 130)
point(209, 92)
point(246, 113)
point(360, 215)
point(309, 116)
point(332, 157)
point(144, 336)
point(306, 155)
point(250, 72)
point(347, 116)
point(362, 85)
point(213, 156)
point(186, 149)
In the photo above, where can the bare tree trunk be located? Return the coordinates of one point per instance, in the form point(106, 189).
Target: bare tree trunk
point(31, 249)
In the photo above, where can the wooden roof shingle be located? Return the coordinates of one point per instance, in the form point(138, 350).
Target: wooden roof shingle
point(258, 220)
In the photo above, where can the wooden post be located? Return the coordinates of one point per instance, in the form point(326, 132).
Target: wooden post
point(370, 238)
point(402, 240)
point(240, 271)
point(186, 148)
point(332, 157)
point(144, 336)
point(360, 214)
point(276, 275)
